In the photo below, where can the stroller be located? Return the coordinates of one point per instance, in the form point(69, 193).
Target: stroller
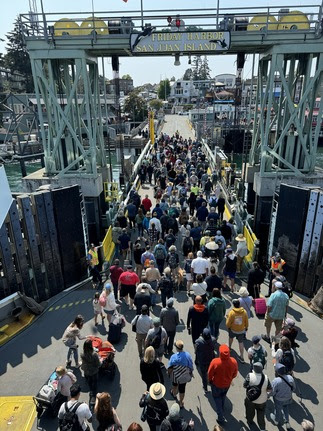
point(106, 352)
point(47, 398)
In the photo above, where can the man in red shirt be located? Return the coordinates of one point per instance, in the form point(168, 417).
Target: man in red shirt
point(221, 372)
point(127, 284)
point(146, 203)
point(115, 272)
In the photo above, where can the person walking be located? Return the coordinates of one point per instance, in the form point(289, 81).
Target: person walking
point(153, 277)
point(284, 354)
point(175, 422)
point(204, 351)
point(283, 387)
point(166, 286)
point(155, 404)
point(93, 262)
point(105, 414)
point(256, 277)
point(142, 297)
point(256, 399)
point(257, 352)
point(241, 252)
point(200, 266)
point(109, 305)
point(142, 324)
point(90, 366)
point(81, 410)
point(115, 272)
point(160, 254)
point(127, 284)
point(277, 306)
point(172, 260)
point(180, 368)
point(221, 372)
point(245, 300)
point(97, 308)
point(199, 288)
point(197, 318)
point(237, 324)
point(157, 337)
point(216, 311)
point(150, 368)
point(229, 268)
point(71, 333)
point(65, 381)
point(213, 281)
point(169, 319)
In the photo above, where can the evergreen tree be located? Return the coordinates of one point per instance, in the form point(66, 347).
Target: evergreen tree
point(17, 57)
point(188, 74)
point(205, 71)
point(164, 89)
point(197, 62)
point(136, 106)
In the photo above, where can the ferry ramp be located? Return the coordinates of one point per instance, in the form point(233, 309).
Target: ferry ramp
point(179, 123)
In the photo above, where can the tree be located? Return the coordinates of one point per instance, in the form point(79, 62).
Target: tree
point(127, 76)
point(205, 71)
point(197, 62)
point(136, 106)
point(188, 74)
point(17, 57)
point(156, 104)
point(164, 89)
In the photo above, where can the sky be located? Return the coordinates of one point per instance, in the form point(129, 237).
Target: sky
point(144, 69)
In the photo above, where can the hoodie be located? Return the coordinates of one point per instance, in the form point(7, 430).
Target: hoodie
point(237, 320)
point(197, 320)
point(224, 369)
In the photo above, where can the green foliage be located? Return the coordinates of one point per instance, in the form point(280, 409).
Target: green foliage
point(17, 57)
point(127, 76)
point(136, 106)
point(188, 75)
point(200, 68)
point(156, 104)
point(205, 71)
point(164, 89)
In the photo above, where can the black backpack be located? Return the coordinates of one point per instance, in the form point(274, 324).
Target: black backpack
point(288, 360)
point(156, 341)
point(70, 420)
point(254, 392)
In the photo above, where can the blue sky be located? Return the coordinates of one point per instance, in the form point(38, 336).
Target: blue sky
point(147, 69)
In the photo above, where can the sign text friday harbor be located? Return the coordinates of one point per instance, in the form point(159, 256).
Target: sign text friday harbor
point(181, 42)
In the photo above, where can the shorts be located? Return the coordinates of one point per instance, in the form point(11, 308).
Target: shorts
point(127, 290)
point(239, 337)
point(110, 312)
point(97, 312)
point(230, 274)
point(269, 321)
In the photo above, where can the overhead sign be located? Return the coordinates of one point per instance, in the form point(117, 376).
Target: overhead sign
point(162, 43)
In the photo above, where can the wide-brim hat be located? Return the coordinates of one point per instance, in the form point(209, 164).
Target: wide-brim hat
point(240, 237)
point(157, 391)
point(212, 245)
point(243, 292)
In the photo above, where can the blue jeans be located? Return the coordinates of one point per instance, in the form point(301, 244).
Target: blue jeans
point(73, 351)
point(214, 328)
point(281, 409)
point(153, 285)
point(219, 395)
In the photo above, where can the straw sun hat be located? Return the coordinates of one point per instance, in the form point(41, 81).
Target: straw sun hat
point(157, 391)
point(240, 237)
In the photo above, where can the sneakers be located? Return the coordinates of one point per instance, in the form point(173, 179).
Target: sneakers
point(68, 364)
point(288, 427)
point(273, 418)
point(265, 338)
point(78, 364)
point(240, 358)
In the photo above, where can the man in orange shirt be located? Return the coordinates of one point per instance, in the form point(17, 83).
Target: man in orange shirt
point(221, 372)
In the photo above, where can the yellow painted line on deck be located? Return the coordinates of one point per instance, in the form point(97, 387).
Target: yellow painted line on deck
point(64, 305)
point(83, 301)
point(70, 304)
point(77, 302)
point(17, 413)
point(89, 300)
point(57, 308)
point(51, 309)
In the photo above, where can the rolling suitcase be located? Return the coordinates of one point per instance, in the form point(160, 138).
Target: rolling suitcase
point(114, 333)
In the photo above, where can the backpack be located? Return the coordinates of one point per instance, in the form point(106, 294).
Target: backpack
point(254, 392)
point(147, 262)
point(288, 360)
point(187, 243)
point(172, 261)
point(188, 264)
point(259, 356)
point(70, 421)
point(219, 242)
point(156, 341)
point(159, 253)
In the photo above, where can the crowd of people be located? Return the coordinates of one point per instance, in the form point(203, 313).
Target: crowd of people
point(182, 242)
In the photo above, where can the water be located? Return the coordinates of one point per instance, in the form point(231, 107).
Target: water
point(14, 174)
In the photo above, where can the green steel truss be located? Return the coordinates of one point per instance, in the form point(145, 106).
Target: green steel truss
point(285, 137)
point(67, 89)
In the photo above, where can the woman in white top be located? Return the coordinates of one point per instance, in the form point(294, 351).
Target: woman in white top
point(72, 332)
point(200, 288)
point(245, 300)
point(110, 305)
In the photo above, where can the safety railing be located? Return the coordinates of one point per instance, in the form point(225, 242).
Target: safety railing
point(239, 19)
point(111, 191)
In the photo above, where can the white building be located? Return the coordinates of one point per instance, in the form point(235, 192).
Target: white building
point(182, 92)
point(228, 79)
